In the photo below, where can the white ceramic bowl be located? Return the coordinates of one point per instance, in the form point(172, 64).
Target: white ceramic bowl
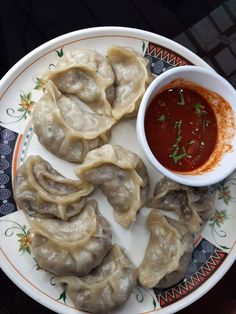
point(212, 81)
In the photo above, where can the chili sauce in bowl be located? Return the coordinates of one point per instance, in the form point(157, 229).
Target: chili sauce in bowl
point(180, 121)
point(186, 125)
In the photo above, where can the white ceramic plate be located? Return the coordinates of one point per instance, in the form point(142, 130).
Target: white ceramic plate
point(21, 87)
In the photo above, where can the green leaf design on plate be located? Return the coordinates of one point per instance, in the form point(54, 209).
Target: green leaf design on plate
point(143, 47)
point(20, 234)
point(154, 303)
point(37, 266)
point(60, 52)
point(62, 296)
point(225, 247)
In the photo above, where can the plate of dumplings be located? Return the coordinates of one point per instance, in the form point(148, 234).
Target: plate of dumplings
point(86, 223)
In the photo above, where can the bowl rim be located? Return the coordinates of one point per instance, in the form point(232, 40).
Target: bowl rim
point(182, 178)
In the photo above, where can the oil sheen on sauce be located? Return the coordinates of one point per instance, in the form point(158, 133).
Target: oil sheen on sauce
point(181, 128)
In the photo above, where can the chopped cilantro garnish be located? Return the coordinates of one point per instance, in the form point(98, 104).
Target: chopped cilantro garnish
point(162, 118)
point(181, 98)
point(179, 139)
point(178, 125)
point(177, 157)
point(198, 108)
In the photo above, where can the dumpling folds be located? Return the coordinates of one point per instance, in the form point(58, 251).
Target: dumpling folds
point(86, 74)
point(192, 205)
point(41, 190)
point(168, 253)
point(71, 247)
point(175, 276)
point(106, 287)
point(66, 130)
point(131, 79)
point(122, 176)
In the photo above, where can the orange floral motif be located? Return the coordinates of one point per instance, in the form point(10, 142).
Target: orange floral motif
point(25, 242)
point(26, 103)
point(40, 84)
point(219, 217)
point(224, 193)
point(25, 237)
point(26, 106)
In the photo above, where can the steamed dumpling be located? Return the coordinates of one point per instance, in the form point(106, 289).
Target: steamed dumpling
point(122, 176)
point(201, 199)
point(168, 253)
point(106, 287)
point(193, 205)
point(71, 247)
point(131, 79)
point(86, 74)
point(175, 276)
point(66, 130)
point(41, 190)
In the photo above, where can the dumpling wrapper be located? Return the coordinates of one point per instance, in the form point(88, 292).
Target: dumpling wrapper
point(131, 79)
point(71, 247)
point(66, 130)
point(86, 74)
point(201, 199)
point(107, 287)
point(39, 190)
point(175, 276)
point(169, 242)
point(192, 205)
point(122, 176)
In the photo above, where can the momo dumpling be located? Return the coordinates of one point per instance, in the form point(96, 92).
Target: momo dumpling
point(168, 253)
point(75, 246)
point(39, 190)
point(174, 277)
point(193, 205)
point(86, 74)
point(201, 199)
point(107, 287)
point(131, 79)
point(66, 130)
point(122, 176)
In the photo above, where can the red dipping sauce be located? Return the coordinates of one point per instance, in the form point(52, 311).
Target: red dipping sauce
point(181, 128)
